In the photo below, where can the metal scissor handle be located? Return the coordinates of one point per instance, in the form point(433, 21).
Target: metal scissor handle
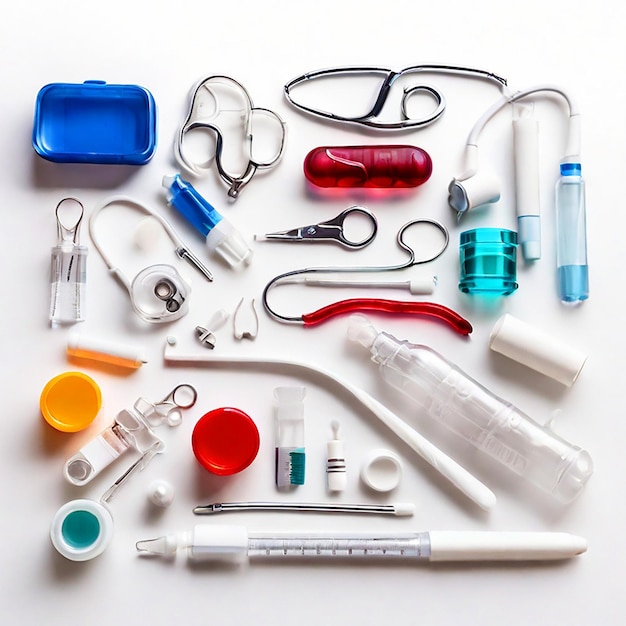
point(330, 230)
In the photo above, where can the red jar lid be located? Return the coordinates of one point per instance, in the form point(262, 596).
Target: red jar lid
point(225, 441)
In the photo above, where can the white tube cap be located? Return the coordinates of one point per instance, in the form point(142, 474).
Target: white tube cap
point(536, 349)
point(229, 243)
point(381, 470)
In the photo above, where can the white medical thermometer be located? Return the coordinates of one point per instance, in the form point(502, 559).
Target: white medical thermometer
point(235, 544)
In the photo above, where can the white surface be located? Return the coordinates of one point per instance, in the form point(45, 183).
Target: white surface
point(167, 47)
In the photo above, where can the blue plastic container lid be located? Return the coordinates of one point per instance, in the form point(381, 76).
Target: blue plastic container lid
point(94, 122)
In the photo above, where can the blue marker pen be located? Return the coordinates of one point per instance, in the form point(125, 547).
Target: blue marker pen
point(220, 235)
point(571, 249)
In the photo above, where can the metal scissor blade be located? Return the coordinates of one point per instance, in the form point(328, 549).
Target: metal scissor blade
point(295, 234)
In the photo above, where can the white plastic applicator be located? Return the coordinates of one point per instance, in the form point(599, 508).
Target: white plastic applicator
point(336, 461)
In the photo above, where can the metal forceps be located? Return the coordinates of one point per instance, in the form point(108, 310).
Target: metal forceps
point(329, 230)
point(207, 113)
point(370, 117)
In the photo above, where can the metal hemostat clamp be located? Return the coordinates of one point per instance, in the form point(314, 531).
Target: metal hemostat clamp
point(329, 230)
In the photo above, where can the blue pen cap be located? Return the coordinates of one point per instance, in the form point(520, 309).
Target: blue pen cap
point(570, 169)
point(191, 205)
point(94, 122)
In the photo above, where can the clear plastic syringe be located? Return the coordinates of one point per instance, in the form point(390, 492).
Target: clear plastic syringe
point(235, 545)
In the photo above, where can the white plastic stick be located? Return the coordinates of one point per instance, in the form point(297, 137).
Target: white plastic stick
point(457, 475)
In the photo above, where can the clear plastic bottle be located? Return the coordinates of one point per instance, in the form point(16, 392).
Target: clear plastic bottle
point(470, 410)
point(571, 249)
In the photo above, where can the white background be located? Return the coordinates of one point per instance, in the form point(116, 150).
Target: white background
point(166, 47)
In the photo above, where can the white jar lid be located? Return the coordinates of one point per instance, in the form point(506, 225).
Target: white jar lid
point(381, 470)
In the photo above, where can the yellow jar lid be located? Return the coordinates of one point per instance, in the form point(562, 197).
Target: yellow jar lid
point(70, 401)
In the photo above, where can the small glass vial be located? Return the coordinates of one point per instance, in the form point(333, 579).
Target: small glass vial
point(68, 267)
point(571, 250)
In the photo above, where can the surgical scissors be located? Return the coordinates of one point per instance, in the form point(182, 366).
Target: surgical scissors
point(204, 114)
point(330, 230)
point(389, 77)
point(361, 304)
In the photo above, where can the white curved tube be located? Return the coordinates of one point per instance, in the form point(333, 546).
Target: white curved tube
point(457, 475)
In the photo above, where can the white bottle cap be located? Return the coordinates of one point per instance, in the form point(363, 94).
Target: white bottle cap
point(229, 243)
point(536, 349)
point(381, 470)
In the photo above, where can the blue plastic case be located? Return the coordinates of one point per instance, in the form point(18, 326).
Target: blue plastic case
point(94, 122)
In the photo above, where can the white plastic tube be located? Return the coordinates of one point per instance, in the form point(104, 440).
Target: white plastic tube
point(537, 349)
point(526, 152)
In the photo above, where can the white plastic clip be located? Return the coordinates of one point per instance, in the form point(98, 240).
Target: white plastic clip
point(241, 332)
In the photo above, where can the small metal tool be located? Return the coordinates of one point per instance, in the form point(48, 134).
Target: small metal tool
point(330, 230)
point(399, 510)
point(205, 337)
point(239, 331)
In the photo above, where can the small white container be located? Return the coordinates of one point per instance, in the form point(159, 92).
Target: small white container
point(536, 349)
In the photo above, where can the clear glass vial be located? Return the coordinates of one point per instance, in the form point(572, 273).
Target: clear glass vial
point(68, 266)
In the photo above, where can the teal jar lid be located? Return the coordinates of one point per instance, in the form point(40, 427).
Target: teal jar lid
point(81, 529)
point(488, 261)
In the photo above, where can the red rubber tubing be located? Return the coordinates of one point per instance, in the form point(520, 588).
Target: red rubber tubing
point(429, 309)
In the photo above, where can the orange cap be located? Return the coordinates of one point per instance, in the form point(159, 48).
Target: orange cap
point(70, 401)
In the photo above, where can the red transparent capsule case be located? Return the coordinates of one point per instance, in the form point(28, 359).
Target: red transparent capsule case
point(375, 167)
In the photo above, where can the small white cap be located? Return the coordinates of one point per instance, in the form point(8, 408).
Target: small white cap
point(161, 493)
point(361, 331)
point(381, 470)
point(228, 242)
point(536, 349)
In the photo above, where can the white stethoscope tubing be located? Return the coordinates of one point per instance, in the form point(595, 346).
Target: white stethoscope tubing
point(572, 149)
point(181, 249)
